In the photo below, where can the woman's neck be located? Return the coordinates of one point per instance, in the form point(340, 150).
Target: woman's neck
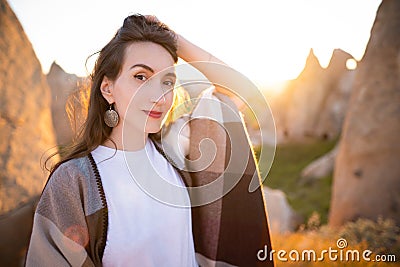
point(136, 140)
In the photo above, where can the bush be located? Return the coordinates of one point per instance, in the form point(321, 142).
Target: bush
point(382, 236)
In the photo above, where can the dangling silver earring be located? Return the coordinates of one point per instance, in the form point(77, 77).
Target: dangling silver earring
point(111, 117)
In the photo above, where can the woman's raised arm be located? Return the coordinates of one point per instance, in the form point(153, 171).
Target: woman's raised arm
point(191, 53)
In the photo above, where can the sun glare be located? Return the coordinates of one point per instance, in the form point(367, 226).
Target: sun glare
point(351, 64)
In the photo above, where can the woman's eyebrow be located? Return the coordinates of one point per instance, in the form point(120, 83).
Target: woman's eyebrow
point(143, 66)
point(171, 74)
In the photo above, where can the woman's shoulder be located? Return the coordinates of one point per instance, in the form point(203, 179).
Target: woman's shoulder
point(73, 169)
point(74, 181)
point(70, 184)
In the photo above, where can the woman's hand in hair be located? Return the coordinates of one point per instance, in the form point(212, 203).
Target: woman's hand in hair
point(192, 53)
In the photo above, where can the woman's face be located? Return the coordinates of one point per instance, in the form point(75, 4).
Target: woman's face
point(143, 92)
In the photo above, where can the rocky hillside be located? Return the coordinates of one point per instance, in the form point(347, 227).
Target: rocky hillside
point(314, 104)
point(26, 131)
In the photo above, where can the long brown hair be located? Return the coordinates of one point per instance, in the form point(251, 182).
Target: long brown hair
point(94, 131)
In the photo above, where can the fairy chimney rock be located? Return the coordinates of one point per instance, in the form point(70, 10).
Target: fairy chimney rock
point(26, 131)
point(312, 67)
point(314, 103)
point(367, 171)
point(62, 85)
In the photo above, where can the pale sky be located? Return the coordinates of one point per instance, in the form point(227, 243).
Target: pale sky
point(265, 40)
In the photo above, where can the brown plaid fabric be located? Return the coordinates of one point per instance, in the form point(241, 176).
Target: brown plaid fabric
point(232, 229)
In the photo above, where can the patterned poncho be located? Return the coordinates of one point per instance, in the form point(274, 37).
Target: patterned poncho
point(229, 222)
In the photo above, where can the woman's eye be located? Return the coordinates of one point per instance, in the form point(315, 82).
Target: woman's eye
point(140, 77)
point(169, 83)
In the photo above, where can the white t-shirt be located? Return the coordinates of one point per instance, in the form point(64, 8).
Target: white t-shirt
point(142, 229)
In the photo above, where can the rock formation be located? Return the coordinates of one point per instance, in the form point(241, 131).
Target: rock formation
point(337, 82)
point(281, 216)
point(26, 131)
point(367, 170)
point(314, 104)
point(320, 167)
point(300, 96)
point(62, 85)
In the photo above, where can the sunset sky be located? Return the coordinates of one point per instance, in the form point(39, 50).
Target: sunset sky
point(267, 40)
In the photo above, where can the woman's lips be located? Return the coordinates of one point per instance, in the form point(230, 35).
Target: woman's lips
point(153, 114)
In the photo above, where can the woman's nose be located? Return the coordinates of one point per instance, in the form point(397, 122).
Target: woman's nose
point(157, 98)
point(157, 91)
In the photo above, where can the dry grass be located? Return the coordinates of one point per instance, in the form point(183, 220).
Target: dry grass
point(309, 241)
point(381, 237)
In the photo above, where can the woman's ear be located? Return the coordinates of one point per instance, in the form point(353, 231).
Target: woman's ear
point(106, 89)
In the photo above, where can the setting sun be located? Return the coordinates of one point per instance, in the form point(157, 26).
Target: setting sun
point(351, 64)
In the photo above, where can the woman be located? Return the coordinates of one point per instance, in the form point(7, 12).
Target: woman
point(91, 213)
